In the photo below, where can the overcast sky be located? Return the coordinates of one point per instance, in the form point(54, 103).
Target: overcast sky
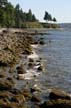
point(61, 9)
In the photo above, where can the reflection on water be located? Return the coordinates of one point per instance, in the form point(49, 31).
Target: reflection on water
point(56, 54)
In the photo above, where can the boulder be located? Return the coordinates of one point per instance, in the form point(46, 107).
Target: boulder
point(5, 94)
point(26, 93)
point(56, 104)
point(6, 85)
point(58, 94)
point(30, 64)
point(2, 75)
point(31, 60)
point(15, 91)
point(35, 99)
point(35, 88)
point(20, 77)
point(20, 70)
point(18, 99)
point(41, 42)
point(10, 80)
point(40, 68)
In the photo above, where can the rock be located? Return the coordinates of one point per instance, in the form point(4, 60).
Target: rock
point(32, 90)
point(20, 70)
point(35, 88)
point(12, 45)
point(27, 51)
point(4, 103)
point(15, 91)
point(2, 75)
point(31, 60)
point(40, 68)
point(56, 104)
point(59, 94)
point(5, 94)
point(30, 64)
point(6, 85)
point(41, 42)
point(3, 64)
point(35, 99)
point(26, 93)
point(20, 77)
point(18, 99)
point(10, 80)
point(35, 42)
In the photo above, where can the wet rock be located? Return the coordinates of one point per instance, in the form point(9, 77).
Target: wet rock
point(13, 44)
point(40, 68)
point(59, 94)
point(56, 104)
point(31, 60)
point(26, 93)
point(5, 94)
point(41, 42)
point(30, 64)
point(27, 51)
point(10, 80)
point(2, 75)
point(3, 64)
point(20, 77)
point(4, 103)
point(20, 70)
point(15, 91)
point(35, 99)
point(32, 90)
point(35, 42)
point(6, 85)
point(35, 88)
point(18, 99)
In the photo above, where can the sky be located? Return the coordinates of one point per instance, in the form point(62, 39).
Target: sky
point(60, 9)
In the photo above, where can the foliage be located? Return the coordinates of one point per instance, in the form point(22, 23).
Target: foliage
point(54, 19)
point(48, 17)
point(15, 17)
point(49, 25)
point(11, 16)
point(32, 25)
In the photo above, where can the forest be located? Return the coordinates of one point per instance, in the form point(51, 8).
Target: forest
point(15, 17)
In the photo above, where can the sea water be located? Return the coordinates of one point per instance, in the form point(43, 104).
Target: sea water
point(56, 55)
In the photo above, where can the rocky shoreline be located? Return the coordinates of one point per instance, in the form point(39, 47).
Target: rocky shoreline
point(19, 62)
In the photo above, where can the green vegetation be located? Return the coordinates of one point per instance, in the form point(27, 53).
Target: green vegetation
point(48, 17)
point(11, 16)
point(32, 25)
point(15, 17)
point(49, 25)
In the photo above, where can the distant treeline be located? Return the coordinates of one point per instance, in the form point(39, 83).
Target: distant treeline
point(11, 16)
point(15, 17)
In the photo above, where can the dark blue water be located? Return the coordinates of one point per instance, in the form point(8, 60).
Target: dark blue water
point(56, 54)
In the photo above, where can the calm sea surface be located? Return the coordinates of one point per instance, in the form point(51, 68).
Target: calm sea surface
point(56, 55)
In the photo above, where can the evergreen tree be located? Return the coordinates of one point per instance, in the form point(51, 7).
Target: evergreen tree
point(14, 17)
point(29, 15)
point(24, 17)
point(9, 15)
point(17, 16)
point(47, 16)
point(54, 19)
point(1, 16)
point(33, 18)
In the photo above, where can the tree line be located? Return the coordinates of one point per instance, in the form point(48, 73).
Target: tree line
point(11, 16)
